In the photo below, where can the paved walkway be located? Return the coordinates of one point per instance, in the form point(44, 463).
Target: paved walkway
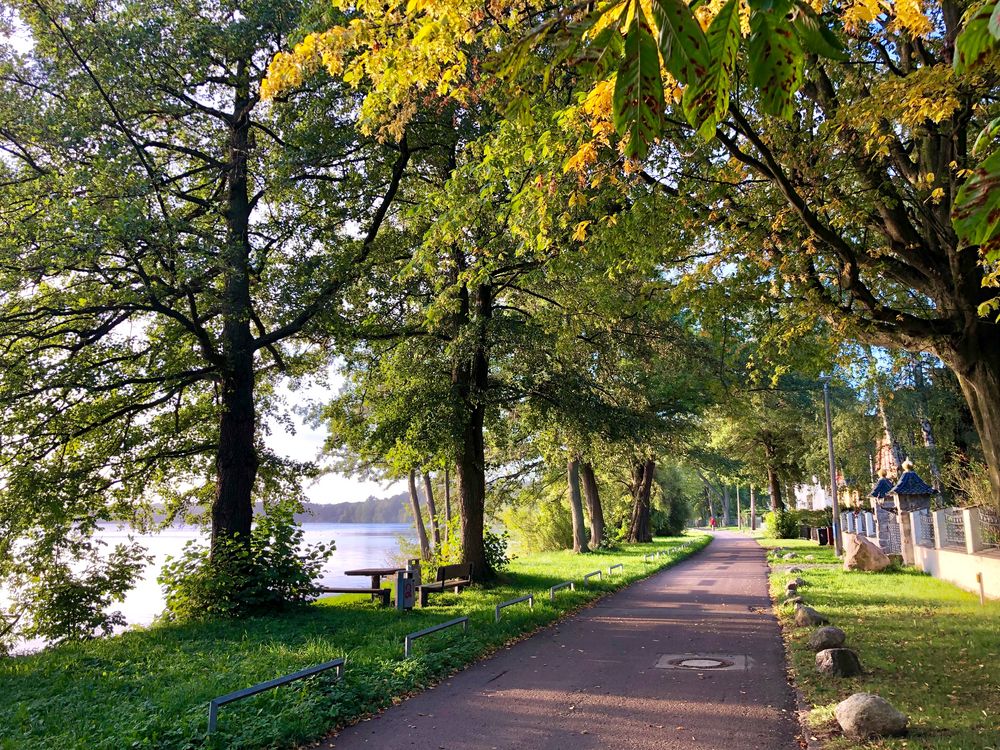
point(592, 681)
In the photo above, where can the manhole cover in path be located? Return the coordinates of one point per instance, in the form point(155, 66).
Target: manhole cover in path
point(701, 662)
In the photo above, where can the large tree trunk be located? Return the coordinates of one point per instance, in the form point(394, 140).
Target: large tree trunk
point(576, 505)
point(739, 510)
point(726, 519)
point(594, 509)
point(773, 483)
point(753, 508)
point(447, 503)
point(977, 366)
point(639, 530)
point(429, 491)
point(418, 518)
point(470, 377)
point(236, 459)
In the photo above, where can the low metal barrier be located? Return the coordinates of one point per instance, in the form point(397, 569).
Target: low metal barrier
point(215, 703)
point(619, 566)
point(567, 584)
point(411, 637)
point(591, 575)
point(530, 599)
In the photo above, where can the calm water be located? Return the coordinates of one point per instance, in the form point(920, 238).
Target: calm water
point(359, 545)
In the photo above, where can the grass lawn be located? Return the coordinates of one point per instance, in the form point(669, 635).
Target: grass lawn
point(929, 647)
point(150, 688)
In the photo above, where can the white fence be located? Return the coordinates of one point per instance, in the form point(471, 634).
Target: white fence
point(959, 545)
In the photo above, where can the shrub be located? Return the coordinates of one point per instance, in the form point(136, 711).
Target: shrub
point(783, 524)
point(541, 526)
point(67, 599)
point(495, 547)
point(269, 572)
point(670, 522)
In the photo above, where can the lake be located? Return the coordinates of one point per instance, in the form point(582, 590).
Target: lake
point(359, 545)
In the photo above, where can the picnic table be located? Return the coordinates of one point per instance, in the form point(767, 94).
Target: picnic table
point(375, 574)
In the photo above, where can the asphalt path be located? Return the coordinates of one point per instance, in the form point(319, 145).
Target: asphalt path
point(619, 674)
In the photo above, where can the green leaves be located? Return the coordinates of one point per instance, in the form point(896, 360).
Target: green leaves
point(815, 35)
point(979, 38)
point(707, 98)
point(682, 42)
point(775, 63)
point(638, 97)
point(977, 207)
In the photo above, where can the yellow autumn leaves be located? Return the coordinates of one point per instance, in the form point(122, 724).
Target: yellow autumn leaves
point(904, 15)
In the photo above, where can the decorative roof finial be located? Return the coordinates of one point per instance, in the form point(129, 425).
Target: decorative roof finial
point(907, 465)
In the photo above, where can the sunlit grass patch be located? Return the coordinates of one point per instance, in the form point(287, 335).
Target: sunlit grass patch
point(150, 688)
point(928, 647)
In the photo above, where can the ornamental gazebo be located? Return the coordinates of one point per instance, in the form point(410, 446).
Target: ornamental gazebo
point(886, 524)
point(911, 494)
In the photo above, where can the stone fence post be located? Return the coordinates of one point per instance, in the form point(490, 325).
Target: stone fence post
point(939, 522)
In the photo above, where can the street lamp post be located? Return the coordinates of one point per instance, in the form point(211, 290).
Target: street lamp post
point(837, 542)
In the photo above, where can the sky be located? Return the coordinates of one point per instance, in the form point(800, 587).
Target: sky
point(307, 443)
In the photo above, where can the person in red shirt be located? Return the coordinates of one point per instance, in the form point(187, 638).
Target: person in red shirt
point(711, 522)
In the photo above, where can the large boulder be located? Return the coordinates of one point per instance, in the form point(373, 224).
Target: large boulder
point(808, 617)
point(860, 554)
point(864, 715)
point(839, 662)
point(827, 637)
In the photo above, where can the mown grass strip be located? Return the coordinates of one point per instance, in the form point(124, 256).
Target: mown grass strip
point(148, 688)
point(930, 649)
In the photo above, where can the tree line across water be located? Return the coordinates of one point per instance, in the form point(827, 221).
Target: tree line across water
point(586, 255)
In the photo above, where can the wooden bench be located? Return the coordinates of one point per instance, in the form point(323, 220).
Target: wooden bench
point(448, 577)
point(382, 594)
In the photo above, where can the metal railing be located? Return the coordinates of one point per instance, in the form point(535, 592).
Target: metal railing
point(530, 599)
point(215, 703)
point(954, 528)
point(619, 566)
point(411, 637)
point(924, 527)
point(989, 527)
point(566, 584)
point(592, 574)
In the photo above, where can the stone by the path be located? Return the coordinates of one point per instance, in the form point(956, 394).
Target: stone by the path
point(864, 715)
point(839, 662)
point(799, 582)
point(810, 557)
point(861, 554)
point(827, 637)
point(795, 570)
point(791, 587)
point(789, 556)
point(794, 600)
point(808, 617)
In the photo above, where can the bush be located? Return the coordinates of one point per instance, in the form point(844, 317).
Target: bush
point(495, 547)
point(266, 574)
point(670, 522)
point(815, 518)
point(783, 524)
point(69, 600)
point(541, 526)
